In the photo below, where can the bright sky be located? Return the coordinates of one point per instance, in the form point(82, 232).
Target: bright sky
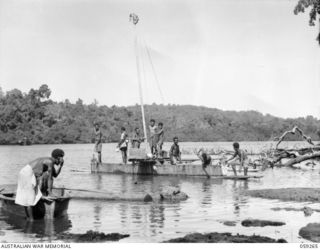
point(227, 54)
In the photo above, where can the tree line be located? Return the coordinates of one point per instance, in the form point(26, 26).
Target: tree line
point(40, 120)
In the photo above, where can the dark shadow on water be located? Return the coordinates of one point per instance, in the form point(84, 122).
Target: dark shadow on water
point(97, 215)
point(206, 192)
point(39, 228)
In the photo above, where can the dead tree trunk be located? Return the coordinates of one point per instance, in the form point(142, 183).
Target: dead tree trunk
point(295, 155)
point(301, 159)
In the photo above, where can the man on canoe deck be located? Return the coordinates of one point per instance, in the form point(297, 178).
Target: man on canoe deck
point(153, 137)
point(123, 144)
point(160, 138)
point(175, 153)
point(97, 141)
point(31, 180)
point(206, 160)
point(137, 138)
point(239, 157)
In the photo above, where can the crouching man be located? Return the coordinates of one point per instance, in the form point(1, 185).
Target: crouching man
point(36, 176)
point(239, 158)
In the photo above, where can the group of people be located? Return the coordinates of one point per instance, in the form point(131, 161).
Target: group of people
point(156, 141)
point(35, 180)
point(239, 157)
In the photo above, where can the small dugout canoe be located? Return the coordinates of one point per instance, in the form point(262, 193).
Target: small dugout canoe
point(42, 210)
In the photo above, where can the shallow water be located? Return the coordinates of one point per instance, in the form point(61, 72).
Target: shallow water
point(211, 201)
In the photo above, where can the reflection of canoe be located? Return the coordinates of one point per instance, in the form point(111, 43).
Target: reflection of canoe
point(150, 167)
point(43, 210)
point(41, 228)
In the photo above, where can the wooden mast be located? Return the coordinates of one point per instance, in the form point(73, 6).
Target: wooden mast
point(134, 18)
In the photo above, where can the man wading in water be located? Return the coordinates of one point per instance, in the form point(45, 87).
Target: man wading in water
point(239, 157)
point(206, 161)
point(31, 179)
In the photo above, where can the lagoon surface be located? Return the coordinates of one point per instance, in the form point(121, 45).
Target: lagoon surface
point(211, 202)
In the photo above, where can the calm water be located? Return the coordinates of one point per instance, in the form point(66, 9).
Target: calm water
point(211, 201)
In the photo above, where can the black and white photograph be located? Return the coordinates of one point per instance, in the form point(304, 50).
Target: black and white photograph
point(159, 121)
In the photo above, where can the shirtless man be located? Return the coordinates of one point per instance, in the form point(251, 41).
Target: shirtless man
point(175, 153)
point(206, 160)
point(153, 137)
point(160, 134)
point(37, 175)
point(239, 157)
point(136, 139)
point(98, 141)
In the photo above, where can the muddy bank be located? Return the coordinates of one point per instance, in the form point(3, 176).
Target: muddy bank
point(223, 238)
point(91, 236)
point(288, 194)
point(311, 232)
point(260, 223)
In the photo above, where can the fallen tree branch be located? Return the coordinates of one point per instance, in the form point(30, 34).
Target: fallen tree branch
point(301, 159)
point(293, 131)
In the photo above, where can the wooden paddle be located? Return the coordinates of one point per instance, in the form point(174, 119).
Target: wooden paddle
point(100, 195)
point(85, 190)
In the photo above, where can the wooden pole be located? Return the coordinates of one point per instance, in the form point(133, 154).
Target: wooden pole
point(134, 18)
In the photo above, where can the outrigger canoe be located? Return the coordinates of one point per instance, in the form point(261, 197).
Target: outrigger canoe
point(42, 210)
point(156, 168)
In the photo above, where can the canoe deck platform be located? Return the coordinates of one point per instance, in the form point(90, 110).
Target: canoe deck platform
point(153, 167)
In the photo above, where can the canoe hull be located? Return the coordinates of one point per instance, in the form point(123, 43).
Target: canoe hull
point(42, 210)
point(149, 168)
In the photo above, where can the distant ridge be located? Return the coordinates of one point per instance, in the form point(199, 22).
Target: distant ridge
point(42, 121)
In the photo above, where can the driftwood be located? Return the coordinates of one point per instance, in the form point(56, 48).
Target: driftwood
point(301, 159)
point(270, 156)
point(295, 155)
point(293, 131)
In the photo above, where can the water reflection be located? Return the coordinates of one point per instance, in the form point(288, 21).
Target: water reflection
point(238, 197)
point(157, 215)
point(39, 228)
point(97, 216)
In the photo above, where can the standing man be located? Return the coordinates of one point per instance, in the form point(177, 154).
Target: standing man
point(153, 137)
point(175, 153)
point(239, 157)
point(123, 144)
point(98, 141)
point(30, 180)
point(160, 134)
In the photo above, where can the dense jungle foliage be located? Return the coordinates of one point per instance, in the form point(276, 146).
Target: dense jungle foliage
point(34, 117)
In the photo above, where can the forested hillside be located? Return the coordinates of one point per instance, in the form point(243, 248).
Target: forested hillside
point(35, 116)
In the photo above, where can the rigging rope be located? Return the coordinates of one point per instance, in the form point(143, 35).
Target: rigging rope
point(154, 72)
